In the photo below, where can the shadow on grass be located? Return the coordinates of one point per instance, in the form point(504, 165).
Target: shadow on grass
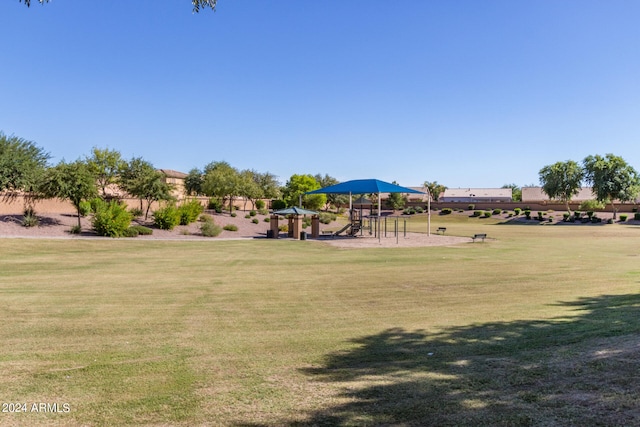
point(572, 371)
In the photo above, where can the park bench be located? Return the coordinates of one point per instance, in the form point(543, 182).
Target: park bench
point(479, 236)
point(441, 230)
point(327, 232)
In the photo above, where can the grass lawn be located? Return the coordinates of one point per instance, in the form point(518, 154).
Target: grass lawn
point(539, 325)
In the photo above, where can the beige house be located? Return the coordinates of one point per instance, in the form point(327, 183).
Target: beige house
point(476, 195)
point(176, 180)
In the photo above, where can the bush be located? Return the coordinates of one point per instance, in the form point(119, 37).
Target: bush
point(471, 207)
point(230, 227)
point(85, 208)
point(517, 211)
point(29, 218)
point(636, 216)
point(278, 204)
point(565, 216)
point(590, 205)
point(477, 213)
point(623, 218)
point(142, 230)
point(263, 211)
point(409, 211)
point(209, 229)
point(487, 214)
point(267, 219)
point(540, 216)
point(130, 232)
point(446, 211)
point(76, 229)
point(253, 213)
point(527, 213)
point(233, 214)
point(255, 220)
point(419, 209)
point(284, 228)
point(166, 218)
point(327, 217)
point(215, 204)
point(247, 216)
point(497, 211)
point(135, 212)
point(111, 220)
point(190, 211)
point(260, 204)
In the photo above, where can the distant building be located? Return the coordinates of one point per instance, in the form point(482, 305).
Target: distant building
point(176, 180)
point(536, 195)
point(476, 195)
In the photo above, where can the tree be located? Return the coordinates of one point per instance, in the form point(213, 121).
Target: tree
point(269, 185)
point(561, 181)
point(197, 4)
point(105, 165)
point(22, 165)
point(249, 188)
point(612, 179)
point(435, 189)
point(140, 179)
point(396, 201)
point(70, 181)
point(295, 188)
point(221, 180)
point(516, 192)
point(193, 182)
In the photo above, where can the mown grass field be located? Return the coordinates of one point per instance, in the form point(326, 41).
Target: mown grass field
point(538, 326)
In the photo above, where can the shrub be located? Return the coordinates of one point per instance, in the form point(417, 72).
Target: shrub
point(306, 221)
point(142, 230)
point(247, 216)
point(135, 212)
point(284, 228)
point(190, 211)
point(477, 213)
point(166, 218)
point(29, 218)
point(263, 211)
point(471, 207)
point(636, 216)
point(255, 220)
point(517, 211)
point(419, 209)
point(267, 219)
point(130, 232)
point(446, 211)
point(230, 227)
point(96, 204)
point(527, 213)
point(111, 220)
point(233, 214)
point(260, 204)
point(76, 229)
point(278, 204)
point(215, 204)
point(590, 214)
point(487, 214)
point(610, 221)
point(497, 211)
point(540, 216)
point(209, 229)
point(590, 205)
point(565, 216)
point(253, 213)
point(205, 218)
point(84, 208)
point(634, 210)
point(623, 218)
point(327, 217)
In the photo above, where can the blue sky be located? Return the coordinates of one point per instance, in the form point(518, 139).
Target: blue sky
point(464, 92)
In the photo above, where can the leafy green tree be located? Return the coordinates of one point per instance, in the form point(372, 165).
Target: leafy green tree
point(105, 165)
point(269, 185)
point(197, 4)
point(435, 189)
point(70, 181)
point(336, 200)
point(221, 180)
point(612, 179)
point(249, 187)
point(396, 201)
point(561, 181)
point(22, 165)
point(140, 179)
point(193, 182)
point(295, 188)
point(516, 192)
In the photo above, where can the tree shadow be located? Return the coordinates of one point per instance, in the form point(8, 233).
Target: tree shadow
point(572, 371)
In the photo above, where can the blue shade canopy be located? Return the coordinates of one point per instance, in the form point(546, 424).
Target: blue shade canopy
point(364, 186)
point(295, 211)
